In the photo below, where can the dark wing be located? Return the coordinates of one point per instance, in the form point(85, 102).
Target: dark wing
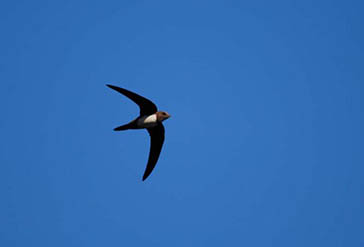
point(146, 106)
point(156, 143)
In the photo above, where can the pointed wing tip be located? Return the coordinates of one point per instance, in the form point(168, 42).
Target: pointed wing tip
point(145, 177)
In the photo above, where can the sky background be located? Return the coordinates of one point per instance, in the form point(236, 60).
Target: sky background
point(264, 147)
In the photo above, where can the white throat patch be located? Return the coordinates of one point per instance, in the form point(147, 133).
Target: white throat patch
point(148, 121)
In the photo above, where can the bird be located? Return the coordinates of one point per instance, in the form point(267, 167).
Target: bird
point(149, 118)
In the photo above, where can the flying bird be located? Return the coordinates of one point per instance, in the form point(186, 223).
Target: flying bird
point(149, 118)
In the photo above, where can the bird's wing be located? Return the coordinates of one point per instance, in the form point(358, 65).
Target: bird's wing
point(146, 106)
point(156, 143)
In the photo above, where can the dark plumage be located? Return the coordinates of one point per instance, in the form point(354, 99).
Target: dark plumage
point(151, 119)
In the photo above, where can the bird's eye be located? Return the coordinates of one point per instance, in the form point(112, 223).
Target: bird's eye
point(164, 113)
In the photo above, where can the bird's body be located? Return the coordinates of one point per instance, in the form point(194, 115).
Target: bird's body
point(149, 119)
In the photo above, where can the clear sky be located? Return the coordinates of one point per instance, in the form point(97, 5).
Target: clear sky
point(264, 147)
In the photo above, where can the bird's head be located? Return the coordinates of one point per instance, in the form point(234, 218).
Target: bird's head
point(162, 115)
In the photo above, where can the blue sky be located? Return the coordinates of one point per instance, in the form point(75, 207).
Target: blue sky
point(265, 143)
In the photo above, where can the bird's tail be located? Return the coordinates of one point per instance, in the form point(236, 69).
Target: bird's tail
point(124, 127)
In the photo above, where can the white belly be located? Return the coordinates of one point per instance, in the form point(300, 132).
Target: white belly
point(148, 121)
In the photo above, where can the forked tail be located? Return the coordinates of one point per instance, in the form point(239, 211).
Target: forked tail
point(124, 127)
